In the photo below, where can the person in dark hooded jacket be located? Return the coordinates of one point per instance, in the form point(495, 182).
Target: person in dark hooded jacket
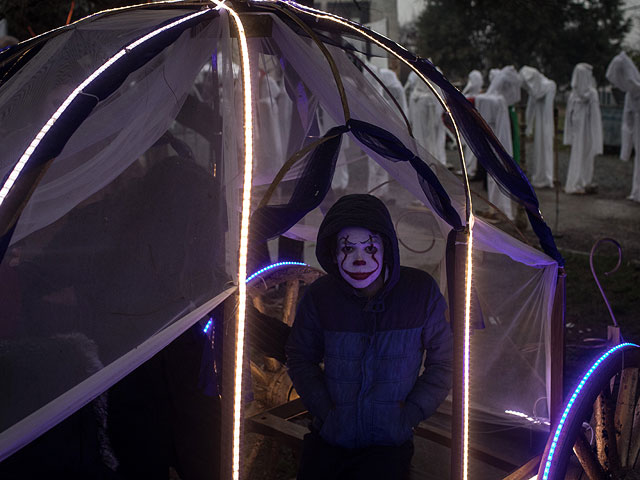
point(370, 322)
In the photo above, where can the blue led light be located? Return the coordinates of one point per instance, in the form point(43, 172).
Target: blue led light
point(572, 400)
point(259, 272)
point(275, 265)
point(206, 328)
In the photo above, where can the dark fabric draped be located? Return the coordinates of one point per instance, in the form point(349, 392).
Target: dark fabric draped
point(311, 188)
point(390, 147)
point(481, 139)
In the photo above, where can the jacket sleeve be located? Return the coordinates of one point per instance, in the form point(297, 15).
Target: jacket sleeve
point(433, 385)
point(305, 351)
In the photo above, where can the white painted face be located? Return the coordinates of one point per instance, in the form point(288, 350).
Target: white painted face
point(359, 256)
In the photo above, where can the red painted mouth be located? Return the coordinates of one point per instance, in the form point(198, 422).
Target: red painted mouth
point(359, 275)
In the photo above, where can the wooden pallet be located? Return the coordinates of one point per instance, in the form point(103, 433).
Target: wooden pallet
point(277, 423)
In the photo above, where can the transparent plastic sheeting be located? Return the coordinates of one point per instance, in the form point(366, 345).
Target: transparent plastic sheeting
point(135, 225)
point(514, 283)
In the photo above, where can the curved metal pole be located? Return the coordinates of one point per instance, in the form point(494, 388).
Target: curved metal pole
point(346, 23)
point(325, 52)
point(384, 87)
point(615, 269)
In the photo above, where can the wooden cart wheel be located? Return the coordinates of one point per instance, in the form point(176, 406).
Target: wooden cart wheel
point(275, 292)
point(598, 436)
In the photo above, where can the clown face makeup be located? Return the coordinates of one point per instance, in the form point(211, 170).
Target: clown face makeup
point(359, 256)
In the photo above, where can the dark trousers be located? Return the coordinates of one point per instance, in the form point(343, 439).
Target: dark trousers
point(323, 461)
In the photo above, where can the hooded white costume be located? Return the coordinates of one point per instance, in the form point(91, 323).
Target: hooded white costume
point(425, 116)
point(539, 115)
point(378, 175)
point(412, 81)
point(474, 84)
point(623, 74)
point(473, 88)
point(492, 75)
point(391, 81)
point(582, 128)
point(269, 152)
point(503, 91)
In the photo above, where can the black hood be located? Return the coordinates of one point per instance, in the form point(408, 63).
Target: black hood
point(358, 210)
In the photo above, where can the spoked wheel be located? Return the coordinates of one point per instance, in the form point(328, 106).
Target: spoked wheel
point(598, 436)
point(274, 293)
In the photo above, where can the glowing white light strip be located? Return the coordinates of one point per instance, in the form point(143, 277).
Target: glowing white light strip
point(17, 169)
point(254, 275)
point(339, 20)
point(467, 356)
point(515, 413)
point(274, 265)
point(572, 400)
point(244, 238)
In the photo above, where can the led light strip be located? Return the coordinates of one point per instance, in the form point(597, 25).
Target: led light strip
point(572, 400)
point(467, 355)
point(469, 215)
point(17, 169)
point(206, 328)
point(275, 265)
point(341, 21)
point(244, 238)
point(536, 421)
point(259, 272)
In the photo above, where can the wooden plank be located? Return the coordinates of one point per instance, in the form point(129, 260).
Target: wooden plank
point(635, 437)
point(289, 433)
point(605, 432)
point(443, 437)
point(289, 410)
point(557, 350)
point(425, 430)
point(588, 459)
point(526, 471)
point(625, 406)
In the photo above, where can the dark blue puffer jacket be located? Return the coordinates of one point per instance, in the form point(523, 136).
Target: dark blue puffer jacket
point(370, 391)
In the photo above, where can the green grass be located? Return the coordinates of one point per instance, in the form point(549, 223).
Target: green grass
point(586, 314)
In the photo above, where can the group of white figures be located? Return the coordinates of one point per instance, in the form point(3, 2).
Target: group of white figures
point(582, 128)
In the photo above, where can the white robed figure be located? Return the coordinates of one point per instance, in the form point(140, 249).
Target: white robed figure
point(268, 137)
point(505, 84)
point(412, 80)
point(623, 74)
point(539, 115)
point(425, 116)
point(582, 129)
point(378, 181)
point(474, 84)
point(471, 89)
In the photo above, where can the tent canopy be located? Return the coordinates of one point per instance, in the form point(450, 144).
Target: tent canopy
point(123, 143)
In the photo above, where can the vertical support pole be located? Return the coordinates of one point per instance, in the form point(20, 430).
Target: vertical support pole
point(229, 336)
point(556, 402)
point(457, 319)
point(556, 166)
point(523, 138)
